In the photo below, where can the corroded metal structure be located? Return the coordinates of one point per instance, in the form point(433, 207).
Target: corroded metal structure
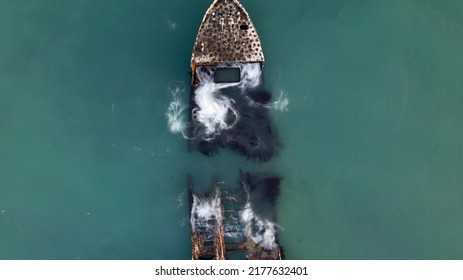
point(220, 228)
point(207, 227)
point(220, 233)
point(226, 34)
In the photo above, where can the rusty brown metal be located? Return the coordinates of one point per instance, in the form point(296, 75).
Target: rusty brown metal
point(216, 248)
point(226, 34)
point(203, 246)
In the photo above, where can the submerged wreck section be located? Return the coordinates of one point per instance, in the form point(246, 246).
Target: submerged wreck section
point(236, 223)
point(207, 227)
point(232, 115)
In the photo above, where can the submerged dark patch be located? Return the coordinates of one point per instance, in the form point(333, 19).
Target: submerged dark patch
point(260, 96)
point(253, 134)
point(227, 75)
point(264, 190)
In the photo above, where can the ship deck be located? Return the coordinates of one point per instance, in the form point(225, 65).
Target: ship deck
point(226, 34)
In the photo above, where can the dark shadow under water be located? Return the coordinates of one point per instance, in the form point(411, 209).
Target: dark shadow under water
point(253, 134)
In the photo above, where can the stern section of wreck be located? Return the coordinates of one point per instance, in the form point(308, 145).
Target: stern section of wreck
point(226, 223)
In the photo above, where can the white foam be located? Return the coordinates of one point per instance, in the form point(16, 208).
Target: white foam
point(205, 209)
point(251, 75)
point(265, 233)
point(172, 24)
point(282, 103)
point(212, 107)
point(233, 235)
point(265, 236)
point(176, 112)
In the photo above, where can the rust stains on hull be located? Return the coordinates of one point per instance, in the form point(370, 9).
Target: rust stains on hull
point(226, 34)
point(228, 39)
point(210, 223)
point(206, 227)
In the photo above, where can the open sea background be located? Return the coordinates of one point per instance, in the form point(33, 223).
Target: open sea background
point(373, 134)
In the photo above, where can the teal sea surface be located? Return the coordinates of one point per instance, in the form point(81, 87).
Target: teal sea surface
point(373, 132)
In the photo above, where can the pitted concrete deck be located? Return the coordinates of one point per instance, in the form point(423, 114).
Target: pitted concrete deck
point(226, 34)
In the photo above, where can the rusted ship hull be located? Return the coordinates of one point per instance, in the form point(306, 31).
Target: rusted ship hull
point(224, 225)
point(226, 34)
point(230, 110)
point(229, 106)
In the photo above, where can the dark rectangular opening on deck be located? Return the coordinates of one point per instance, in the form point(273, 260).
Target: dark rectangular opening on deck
point(227, 75)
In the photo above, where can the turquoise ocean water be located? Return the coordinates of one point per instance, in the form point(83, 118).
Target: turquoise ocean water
point(373, 133)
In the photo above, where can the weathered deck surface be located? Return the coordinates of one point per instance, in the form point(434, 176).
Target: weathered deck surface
point(208, 242)
point(226, 34)
point(207, 235)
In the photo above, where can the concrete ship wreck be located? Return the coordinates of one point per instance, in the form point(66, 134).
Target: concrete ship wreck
point(226, 34)
point(229, 106)
point(236, 223)
point(229, 109)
